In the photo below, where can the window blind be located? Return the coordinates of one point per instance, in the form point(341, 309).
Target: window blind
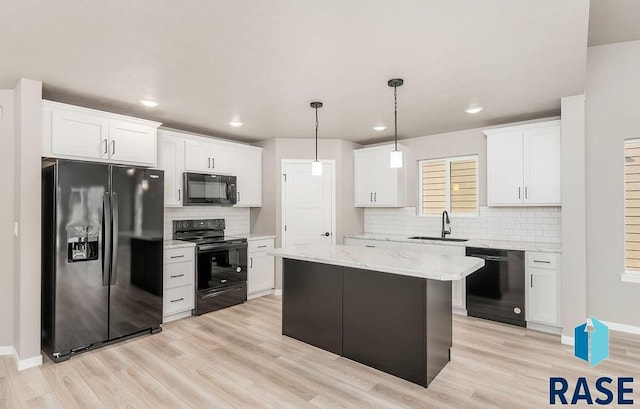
point(632, 205)
point(434, 187)
point(464, 197)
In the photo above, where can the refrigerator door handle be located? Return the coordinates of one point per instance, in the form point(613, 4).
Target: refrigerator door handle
point(114, 240)
point(106, 239)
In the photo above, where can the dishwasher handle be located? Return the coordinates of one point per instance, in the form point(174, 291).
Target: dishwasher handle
point(488, 258)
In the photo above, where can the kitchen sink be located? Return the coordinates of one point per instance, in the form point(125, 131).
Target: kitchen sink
point(437, 238)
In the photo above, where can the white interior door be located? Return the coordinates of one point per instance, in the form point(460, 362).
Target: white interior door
point(308, 204)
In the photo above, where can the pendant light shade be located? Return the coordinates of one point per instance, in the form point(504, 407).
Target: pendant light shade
point(395, 158)
point(316, 165)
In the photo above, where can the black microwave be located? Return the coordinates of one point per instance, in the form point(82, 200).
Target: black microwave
point(201, 189)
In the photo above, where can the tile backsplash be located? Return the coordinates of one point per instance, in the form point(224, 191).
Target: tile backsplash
point(538, 224)
point(237, 220)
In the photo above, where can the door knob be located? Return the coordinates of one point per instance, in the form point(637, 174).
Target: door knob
point(327, 234)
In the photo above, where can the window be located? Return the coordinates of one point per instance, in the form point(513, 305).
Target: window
point(449, 184)
point(632, 205)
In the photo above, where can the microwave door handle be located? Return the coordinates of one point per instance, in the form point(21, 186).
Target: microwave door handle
point(106, 239)
point(114, 251)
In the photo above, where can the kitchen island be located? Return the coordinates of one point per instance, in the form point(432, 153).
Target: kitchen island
point(386, 308)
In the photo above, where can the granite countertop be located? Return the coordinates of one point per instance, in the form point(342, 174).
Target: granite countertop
point(386, 260)
point(254, 236)
point(177, 244)
point(493, 244)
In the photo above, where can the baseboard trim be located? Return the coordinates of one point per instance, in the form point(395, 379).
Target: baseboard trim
point(23, 364)
point(277, 291)
point(549, 329)
point(6, 350)
point(260, 294)
point(567, 340)
point(629, 329)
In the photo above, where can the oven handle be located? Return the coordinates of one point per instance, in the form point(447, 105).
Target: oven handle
point(208, 248)
point(216, 293)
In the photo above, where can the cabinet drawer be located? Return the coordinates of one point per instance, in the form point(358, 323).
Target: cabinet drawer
point(260, 245)
point(178, 274)
point(178, 255)
point(178, 299)
point(542, 260)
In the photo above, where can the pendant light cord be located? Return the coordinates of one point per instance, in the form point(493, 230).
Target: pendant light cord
point(316, 134)
point(395, 113)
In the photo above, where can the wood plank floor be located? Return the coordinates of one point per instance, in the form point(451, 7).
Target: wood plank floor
point(237, 358)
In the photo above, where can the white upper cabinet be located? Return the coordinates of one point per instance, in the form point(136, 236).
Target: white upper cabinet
point(249, 176)
point(208, 156)
point(71, 132)
point(375, 183)
point(523, 165)
point(171, 160)
point(132, 143)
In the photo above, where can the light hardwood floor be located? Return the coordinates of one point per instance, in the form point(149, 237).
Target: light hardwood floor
point(237, 358)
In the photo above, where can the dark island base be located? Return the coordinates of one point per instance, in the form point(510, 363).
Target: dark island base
point(397, 324)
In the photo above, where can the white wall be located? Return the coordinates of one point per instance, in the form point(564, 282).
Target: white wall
point(349, 220)
point(574, 257)
point(611, 111)
point(27, 179)
point(7, 164)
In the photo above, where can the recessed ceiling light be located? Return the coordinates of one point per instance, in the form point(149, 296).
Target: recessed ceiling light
point(149, 103)
point(235, 123)
point(473, 110)
point(380, 128)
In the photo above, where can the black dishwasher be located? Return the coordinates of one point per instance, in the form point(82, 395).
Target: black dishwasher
point(496, 291)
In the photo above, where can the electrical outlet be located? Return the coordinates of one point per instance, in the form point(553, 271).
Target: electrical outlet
point(15, 229)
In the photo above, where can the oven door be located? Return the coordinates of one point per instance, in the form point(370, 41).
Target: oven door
point(221, 265)
point(203, 189)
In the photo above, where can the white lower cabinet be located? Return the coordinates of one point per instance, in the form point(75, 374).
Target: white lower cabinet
point(178, 283)
point(543, 288)
point(458, 292)
point(261, 271)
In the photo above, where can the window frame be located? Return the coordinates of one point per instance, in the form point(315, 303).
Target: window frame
point(631, 276)
point(448, 160)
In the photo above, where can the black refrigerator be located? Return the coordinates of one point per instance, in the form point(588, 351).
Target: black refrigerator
point(102, 246)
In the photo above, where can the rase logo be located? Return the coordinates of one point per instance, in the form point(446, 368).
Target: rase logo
point(591, 345)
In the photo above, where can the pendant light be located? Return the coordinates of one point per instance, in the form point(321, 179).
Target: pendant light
point(316, 166)
point(395, 159)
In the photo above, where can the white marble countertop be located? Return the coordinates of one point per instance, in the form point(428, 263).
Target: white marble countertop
point(493, 244)
point(177, 244)
point(394, 261)
point(254, 236)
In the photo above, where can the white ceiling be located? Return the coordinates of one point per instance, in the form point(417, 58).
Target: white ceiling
point(210, 61)
point(613, 21)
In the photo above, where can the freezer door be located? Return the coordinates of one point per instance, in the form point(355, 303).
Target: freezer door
point(135, 301)
point(81, 294)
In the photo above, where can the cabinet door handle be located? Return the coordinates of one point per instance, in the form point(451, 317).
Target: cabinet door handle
point(179, 195)
point(180, 256)
point(375, 197)
point(113, 147)
point(519, 192)
point(209, 163)
point(370, 246)
point(251, 258)
point(526, 194)
point(371, 197)
point(213, 163)
point(542, 261)
point(106, 147)
point(179, 299)
point(262, 247)
point(177, 275)
point(531, 280)
point(238, 196)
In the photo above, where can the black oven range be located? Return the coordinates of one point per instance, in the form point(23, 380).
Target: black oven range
point(221, 263)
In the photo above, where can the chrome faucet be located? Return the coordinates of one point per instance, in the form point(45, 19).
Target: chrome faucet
point(445, 221)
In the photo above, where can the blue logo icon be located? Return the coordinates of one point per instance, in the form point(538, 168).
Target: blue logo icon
point(591, 342)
